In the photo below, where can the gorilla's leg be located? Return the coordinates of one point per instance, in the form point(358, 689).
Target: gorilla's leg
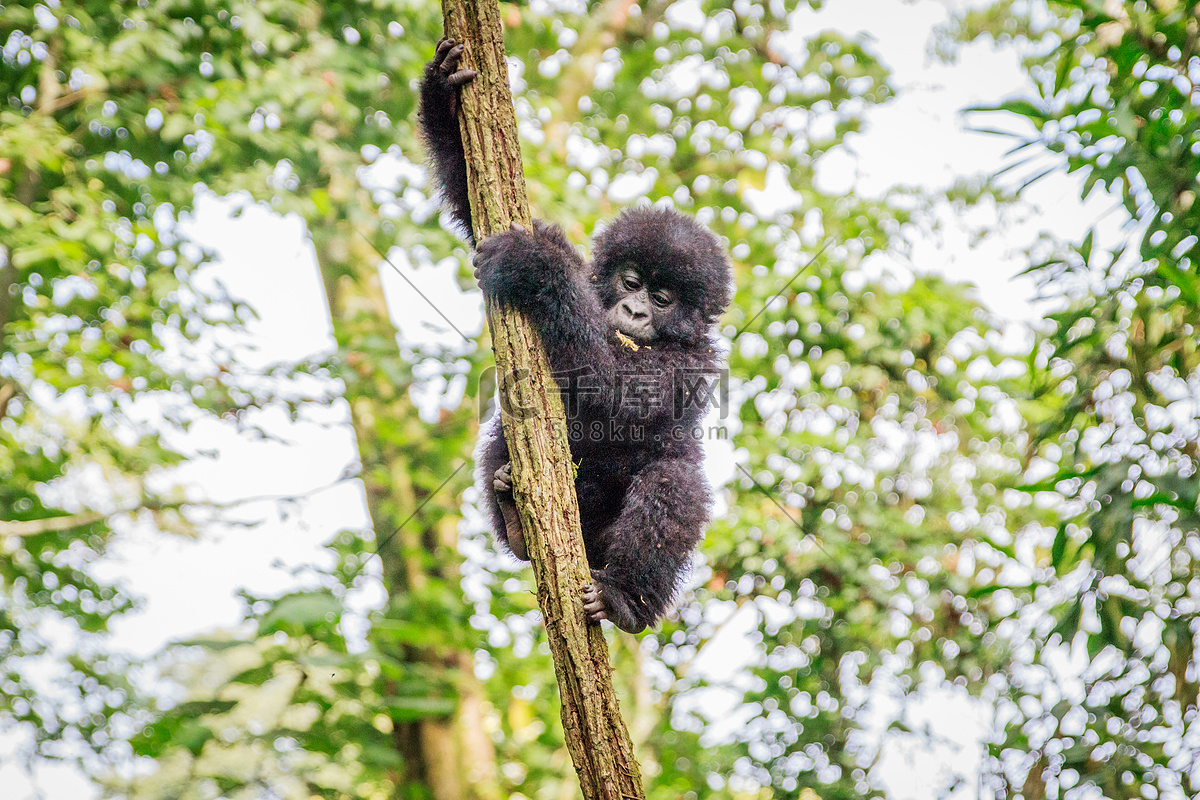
point(513, 531)
point(647, 549)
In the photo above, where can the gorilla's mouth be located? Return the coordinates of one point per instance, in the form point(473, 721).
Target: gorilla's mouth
point(640, 330)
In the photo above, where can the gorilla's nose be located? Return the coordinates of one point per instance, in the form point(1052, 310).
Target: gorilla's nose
point(635, 313)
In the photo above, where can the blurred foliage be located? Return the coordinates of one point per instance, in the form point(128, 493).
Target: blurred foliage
point(1104, 698)
point(110, 343)
point(872, 452)
point(903, 524)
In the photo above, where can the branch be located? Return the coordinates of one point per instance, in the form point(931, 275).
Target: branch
point(543, 475)
point(36, 527)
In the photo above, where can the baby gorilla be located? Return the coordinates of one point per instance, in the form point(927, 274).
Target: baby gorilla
point(629, 341)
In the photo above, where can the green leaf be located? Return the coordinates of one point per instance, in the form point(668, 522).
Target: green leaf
point(1059, 548)
point(178, 728)
point(1068, 620)
point(1066, 60)
point(255, 676)
point(215, 645)
point(410, 709)
point(1023, 108)
point(300, 611)
point(1085, 249)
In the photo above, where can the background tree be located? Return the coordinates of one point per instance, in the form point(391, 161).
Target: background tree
point(1103, 699)
point(110, 346)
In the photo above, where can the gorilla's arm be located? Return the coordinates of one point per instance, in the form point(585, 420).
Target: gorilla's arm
point(539, 273)
point(439, 128)
point(649, 546)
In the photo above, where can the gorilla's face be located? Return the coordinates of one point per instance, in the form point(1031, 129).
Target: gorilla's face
point(661, 277)
point(640, 307)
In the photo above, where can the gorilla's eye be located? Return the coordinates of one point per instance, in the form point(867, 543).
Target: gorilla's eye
point(661, 298)
point(631, 281)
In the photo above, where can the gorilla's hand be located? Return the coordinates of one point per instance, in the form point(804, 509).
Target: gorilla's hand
point(517, 266)
point(502, 261)
point(443, 78)
point(553, 235)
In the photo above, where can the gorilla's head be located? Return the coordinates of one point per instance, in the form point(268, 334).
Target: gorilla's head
point(660, 275)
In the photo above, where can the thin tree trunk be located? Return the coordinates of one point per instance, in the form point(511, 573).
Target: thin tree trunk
point(444, 758)
point(543, 477)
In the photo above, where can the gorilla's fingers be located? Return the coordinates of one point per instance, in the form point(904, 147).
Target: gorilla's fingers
point(443, 47)
point(451, 60)
point(513, 532)
point(593, 603)
point(461, 77)
point(502, 480)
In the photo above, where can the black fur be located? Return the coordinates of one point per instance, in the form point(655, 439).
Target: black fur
point(439, 125)
point(643, 500)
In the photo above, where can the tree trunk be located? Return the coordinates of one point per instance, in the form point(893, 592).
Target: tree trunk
point(543, 475)
point(448, 758)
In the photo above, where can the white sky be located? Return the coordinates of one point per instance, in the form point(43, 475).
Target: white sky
point(918, 139)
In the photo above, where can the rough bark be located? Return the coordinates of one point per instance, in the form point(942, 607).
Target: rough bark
point(543, 475)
